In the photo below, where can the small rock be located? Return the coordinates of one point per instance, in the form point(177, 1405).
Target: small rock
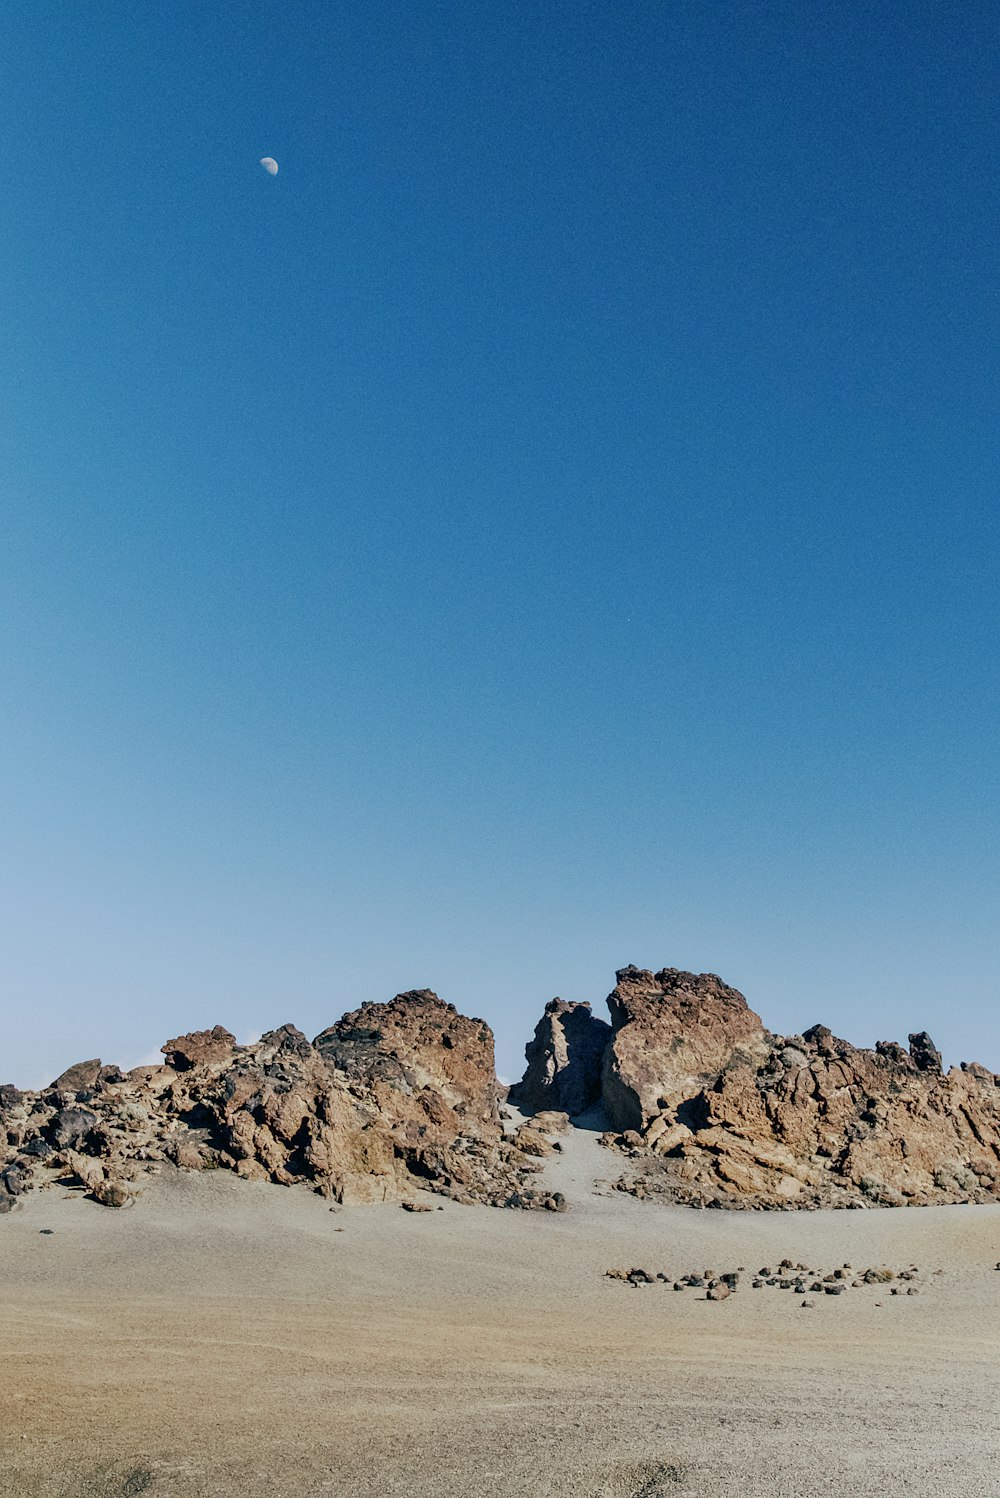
point(416, 1206)
point(110, 1194)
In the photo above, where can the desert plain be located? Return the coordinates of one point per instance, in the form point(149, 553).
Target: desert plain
point(239, 1338)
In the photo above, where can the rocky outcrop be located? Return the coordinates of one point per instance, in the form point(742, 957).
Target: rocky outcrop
point(803, 1120)
point(564, 1061)
point(392, 1097)
point(421, 1054)
point(710, 1108)
point(673, 1032)
point(706, 1105)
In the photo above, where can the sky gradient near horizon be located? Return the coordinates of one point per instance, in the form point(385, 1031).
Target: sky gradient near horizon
point(551, 524)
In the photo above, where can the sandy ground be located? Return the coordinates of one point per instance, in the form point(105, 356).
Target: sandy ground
point(220, 1338)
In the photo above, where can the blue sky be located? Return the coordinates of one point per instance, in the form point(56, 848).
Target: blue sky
point(551, 524)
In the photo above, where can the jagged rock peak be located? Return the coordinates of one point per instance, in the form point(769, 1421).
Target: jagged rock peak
point(673, 1030)
point(564, 1058)
point(925, 1055)
point(414, 1042)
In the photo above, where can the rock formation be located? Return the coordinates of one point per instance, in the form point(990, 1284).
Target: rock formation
point(705, 1105)
point(394, 1096)
point(712, 1109)
point(673, 1032)
point(564, 1061)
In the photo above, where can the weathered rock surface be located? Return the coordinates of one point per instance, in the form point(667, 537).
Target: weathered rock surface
point(394, 1096)
point(673, 1032)
point(707, 1106)
point(79, 1078)
point(712, 1109)
point(564, 1061)
point(719, 1112)
point(200, 1048)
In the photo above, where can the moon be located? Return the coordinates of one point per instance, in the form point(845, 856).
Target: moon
point(270, 165)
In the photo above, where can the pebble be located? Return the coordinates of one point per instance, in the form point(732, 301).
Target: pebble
point(795, 1278)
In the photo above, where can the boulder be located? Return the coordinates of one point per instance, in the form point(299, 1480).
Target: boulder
point(72, 1125)
point(924, 1053)
point(201, 1048)
point(532, 1142)
point(564, 1061)
point(111, 1193)
point(81, 1077)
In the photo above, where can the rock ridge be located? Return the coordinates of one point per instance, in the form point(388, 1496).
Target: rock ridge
point(704, 1106)
point(392, 1098)
point(710, 1108)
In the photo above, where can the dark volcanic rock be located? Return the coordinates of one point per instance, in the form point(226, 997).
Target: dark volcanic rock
point(71, 1125)
point(926, 1056)
point(564, 1061)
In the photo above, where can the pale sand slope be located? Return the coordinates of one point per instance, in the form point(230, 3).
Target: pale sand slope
point(220, 1338)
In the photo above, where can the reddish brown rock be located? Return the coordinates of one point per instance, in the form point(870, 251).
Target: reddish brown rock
point(200, 1048)
point(710, 1109)
point(563, 1061)
point(394, 1096)
point(673, 1033)
point(111, 1193)
point(804, 1121)
point(418, 1047)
